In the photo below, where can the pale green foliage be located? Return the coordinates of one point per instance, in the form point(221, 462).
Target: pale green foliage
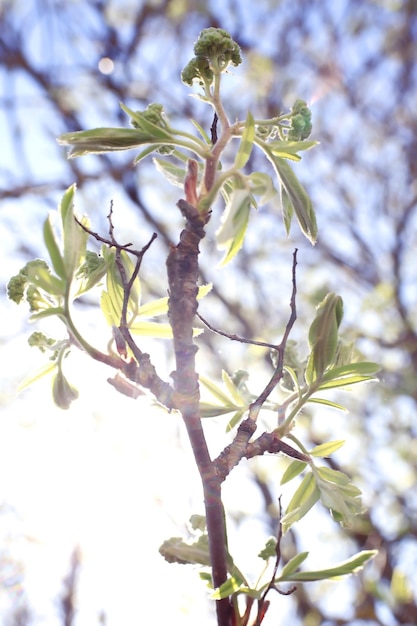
point(78, 270)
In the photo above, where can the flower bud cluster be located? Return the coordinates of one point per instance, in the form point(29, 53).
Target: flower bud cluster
point(301, 126)
point(214, 51)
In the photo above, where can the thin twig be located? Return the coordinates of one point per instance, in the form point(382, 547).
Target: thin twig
point(263, 603)
point(256, 406)
point(233, 337)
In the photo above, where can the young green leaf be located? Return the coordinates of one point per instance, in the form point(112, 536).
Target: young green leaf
point(234, 421)
point(144, 153)
point(173, 173)
point(289, 149)
point(231, 234)
point(74, 237)
point(296, 198)
point(294, 469)
point(201, 131)
point(261, 185)
point(233, 390)
point(100, 140)
point(323, 336)
point(63, 393)
point(230, 586)
point(42, 278)
point(52, 246)
point(218, 392)
point(246, 143)
point(45, 370)
point(292, 565)
point(302, 501)
point(349, 375)
point(334, 405)
point(338, 494)
point(287, 210)
point(269, 551)
point(92, 270)
point(351, 566)
point(176, 550)
point(326, 449)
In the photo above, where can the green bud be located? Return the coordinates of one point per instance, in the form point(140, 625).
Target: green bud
point(216, 45)
point(199, 70)
point(214, 50)
point(301, 126)
point(41, 341)
point(153, 113)
point(17, 285)
point(16, 288)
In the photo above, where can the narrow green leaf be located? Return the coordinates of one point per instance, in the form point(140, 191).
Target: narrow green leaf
point(213, 410)
point(294, 469)
point(201, 131)
point(144, 153)
point(293, 375)
point(234, 421)
point(110, 309)
point(349, 375)
point(296, 196)
point(344, 381)
point(292, 565)
point(53, 248)
point(289, 149)
point(302, 501)
point(231, 234)
point(159, 306)
point(227, 589)
point(100, 140)
point(217, 392)
point(50, 312)
point(323, 335)
point(246, 143)
point(67, 202)
point(40, 373)
point(151, 329)
point(334, 405)
point(364, 368)
point(351, 566)
point(233, 390)
point(335, 476)
point(173, 173)
point(154, 308)
point(74, 237)
point(326, 449)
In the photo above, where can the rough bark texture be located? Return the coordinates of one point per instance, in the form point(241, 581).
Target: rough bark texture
point(183, 274)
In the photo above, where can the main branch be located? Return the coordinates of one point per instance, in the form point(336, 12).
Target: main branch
point(183, 272)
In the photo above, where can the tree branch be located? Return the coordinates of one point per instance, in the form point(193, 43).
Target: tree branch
point(183, 273)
